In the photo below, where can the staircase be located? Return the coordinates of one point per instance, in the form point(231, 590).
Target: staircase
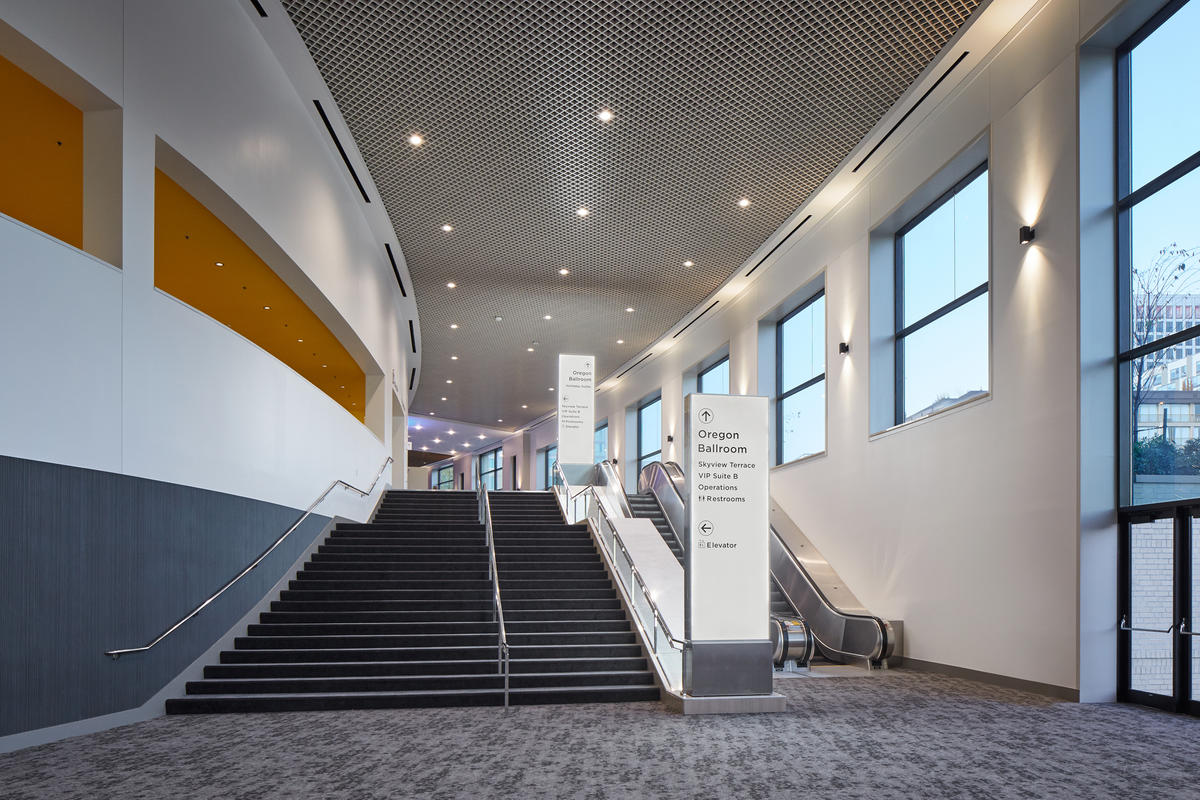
point(397, 613)
point(646, 506)
point(569, 638)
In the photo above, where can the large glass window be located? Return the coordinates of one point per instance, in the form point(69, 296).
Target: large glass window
point(1158, 251)
point(443, 477)
point(491, 469)
point(549, 457)
point(800, 376)
point(715, 379)
point(649, 432)
point(942, 303)
point(1158, 132)
point(600, 443)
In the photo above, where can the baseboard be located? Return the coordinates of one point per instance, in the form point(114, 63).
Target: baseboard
point(156, 705)
point(994, 679)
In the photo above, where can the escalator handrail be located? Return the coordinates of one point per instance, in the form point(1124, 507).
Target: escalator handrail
point(646, 481)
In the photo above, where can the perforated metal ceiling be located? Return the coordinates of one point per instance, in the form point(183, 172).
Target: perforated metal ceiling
point(712, 102)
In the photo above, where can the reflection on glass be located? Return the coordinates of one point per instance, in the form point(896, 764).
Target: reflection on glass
point(715, 379)
point(1165, 96)
point(1165, 409)
point(443, 477)
point(946, 254)
point(1165, 264)
point(1192, 625)
point(802, 346)
point(1152, 556)
point(803, 421)
point(649, 425)
point(549, 456)
point(600, 444)
point(946, 361)
point(491, 466)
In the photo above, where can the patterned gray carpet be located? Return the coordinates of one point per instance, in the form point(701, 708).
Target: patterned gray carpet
point(896, 735)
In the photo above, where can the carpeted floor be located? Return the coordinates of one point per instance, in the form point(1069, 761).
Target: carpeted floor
point(896, 735)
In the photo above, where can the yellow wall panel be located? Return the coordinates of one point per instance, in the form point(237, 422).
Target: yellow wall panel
point(41, 156)
point(198, 259)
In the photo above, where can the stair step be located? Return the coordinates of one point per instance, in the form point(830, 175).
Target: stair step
point(355, 654)
point(401, 683)
point(371, 668)
point(378, 700)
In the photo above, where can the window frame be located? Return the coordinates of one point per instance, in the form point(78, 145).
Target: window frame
point(439, 483)
point(780, 393)
point(639, 455)
point(900, 332)
point(724, 360)
point(496, 474)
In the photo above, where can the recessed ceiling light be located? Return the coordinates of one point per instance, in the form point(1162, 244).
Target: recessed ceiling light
point(266, 308)
point(524, 406)
point(451, 285)
point(418, 427)
point(453, 452)
point(745, 201)
point(620, 341)
point(416, 139)
point(499, 318)
point(299, 340)
point(481, 436)
point(454, 326)
point(324, 366)
point(551, 388)
point(564, 271)
point(529, 349)
point(582, 212)
point(629, 310)
point(547, 317)
point(451, 431)
point(447, 228)
point(437, 441)
point(466, 444)
point(448, 380)
point(605, 115)
point(499, 420)
point(688, 264)
point(443, 399)
point(454, 358)
point(424, 447)
point(219, 263)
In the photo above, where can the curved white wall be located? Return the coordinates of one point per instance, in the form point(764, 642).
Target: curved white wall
point(113, 374)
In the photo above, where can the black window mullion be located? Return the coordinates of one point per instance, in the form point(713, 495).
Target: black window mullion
point(1182, 649)
point(953, 305)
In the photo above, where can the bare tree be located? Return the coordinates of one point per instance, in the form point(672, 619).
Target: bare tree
point(1175, 272)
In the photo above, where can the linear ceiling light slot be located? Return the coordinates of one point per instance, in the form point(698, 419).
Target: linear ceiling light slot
point(412, 377)
point(634, 365)
point(920, 100)
point(342, 150)
point(412, 337)
point(395, 269)
point(779, 244)
point(258, 7)
point(695, 319)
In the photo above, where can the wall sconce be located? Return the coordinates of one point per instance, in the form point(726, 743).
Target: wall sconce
point(670, 438)
point(1027, 234)
point(844, 348)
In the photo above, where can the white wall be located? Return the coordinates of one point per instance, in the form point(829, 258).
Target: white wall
point(965, 525)
point(122, 377)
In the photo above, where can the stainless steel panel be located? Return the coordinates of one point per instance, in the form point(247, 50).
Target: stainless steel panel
point(714, 669)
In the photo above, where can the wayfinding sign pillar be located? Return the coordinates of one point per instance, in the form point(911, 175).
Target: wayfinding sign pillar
point(576, 415)
point(726, 603)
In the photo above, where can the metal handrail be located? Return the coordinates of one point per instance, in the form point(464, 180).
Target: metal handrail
point(503, 654)
point(1125, 626)
point(675, 643)
point(115, 654)
point(646, 479)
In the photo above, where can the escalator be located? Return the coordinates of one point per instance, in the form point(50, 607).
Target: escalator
point(812, 611)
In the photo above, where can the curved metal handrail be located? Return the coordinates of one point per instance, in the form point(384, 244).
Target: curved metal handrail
point(660, 620)
point(656, 474)
point(842, 618)
point(115, 654)
point(503, 654)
